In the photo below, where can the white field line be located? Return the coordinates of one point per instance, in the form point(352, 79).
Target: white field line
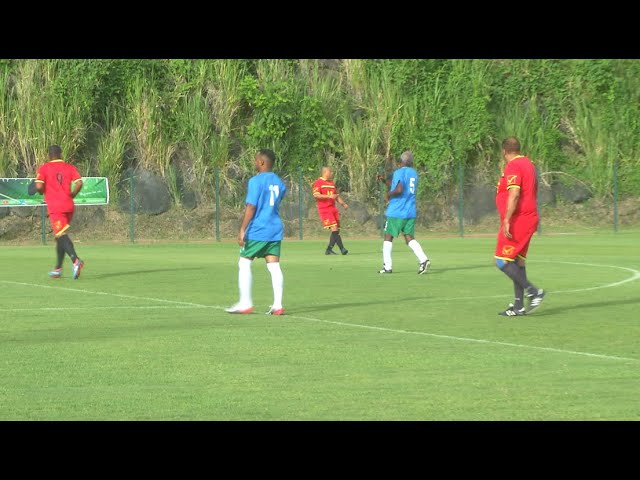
point(179, 304)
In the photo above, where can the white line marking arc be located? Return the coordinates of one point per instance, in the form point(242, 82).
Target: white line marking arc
point(180, 304)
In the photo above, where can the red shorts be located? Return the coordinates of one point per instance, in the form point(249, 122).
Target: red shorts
point(522, 229)
point(60, 222)
point(330, 217)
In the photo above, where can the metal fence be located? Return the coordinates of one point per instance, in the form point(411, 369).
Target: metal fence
point(298, 200)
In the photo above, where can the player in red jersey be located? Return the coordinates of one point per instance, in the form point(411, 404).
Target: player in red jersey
point(517, 203)
point(326, 195)
point(54, 180)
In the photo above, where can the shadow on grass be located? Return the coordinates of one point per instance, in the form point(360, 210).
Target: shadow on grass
point(333, 306)
point(548, 309)
point(434, 270)
point(137, 272)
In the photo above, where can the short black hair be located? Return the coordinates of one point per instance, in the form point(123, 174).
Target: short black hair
point(269, 155)
point(55, 151)
point(511, 145)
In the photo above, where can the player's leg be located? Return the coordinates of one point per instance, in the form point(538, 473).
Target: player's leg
point(534, 294)
point(506, 254)
point(518, 291)
point(409, 232)
point(329, 222)
point(391, 230)
point(277, 278)
point(343, 250)
point(59, 225)
point(245, 302)
point(248, 252)
point(57, 271)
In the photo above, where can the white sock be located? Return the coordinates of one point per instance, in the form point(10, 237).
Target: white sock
point(244, 282)
point(386, 254)
point(417, 249)
point(277, 281)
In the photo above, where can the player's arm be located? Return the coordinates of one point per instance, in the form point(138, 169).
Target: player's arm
point(32, 189)
point(77, 186)
point(396, 191)
point(385, 180)
point(249, 212)
point(512, 203)
point(37, 186)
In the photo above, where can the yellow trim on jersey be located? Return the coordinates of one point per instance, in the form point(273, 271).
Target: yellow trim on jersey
point(504, 258)
point(513, 186)
point(61, 232)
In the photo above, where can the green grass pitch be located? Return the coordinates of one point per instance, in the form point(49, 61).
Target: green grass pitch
point(143, 334)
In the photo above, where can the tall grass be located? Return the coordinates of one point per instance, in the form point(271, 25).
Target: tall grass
point(152, 148)
point(41, 117)
point(526, 121)
point(8, 161)
point(112, 145)
point(367, 134)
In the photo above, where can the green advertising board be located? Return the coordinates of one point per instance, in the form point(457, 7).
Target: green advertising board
point(13, 192)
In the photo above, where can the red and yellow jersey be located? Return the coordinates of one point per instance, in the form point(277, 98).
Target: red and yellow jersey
point(519, 173)
point(57, 176)
point(324, 187)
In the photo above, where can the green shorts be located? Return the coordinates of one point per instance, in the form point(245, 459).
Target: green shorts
point(396, 226)
point(256, 248)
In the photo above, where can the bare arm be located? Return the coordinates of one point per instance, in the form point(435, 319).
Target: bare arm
point(249, 212)
point(337, 197)
point(395, 192)
point(512, 203)
point(77, 186)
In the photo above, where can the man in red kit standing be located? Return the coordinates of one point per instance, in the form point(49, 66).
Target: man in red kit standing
point(516, 200)
point(326, 195)
point(54, 180)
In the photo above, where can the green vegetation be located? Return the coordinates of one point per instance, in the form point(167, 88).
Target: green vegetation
point(575, 118)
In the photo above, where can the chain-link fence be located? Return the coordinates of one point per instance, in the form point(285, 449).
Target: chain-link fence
point(140, 212)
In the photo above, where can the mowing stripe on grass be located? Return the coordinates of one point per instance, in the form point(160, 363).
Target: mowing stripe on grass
point(105, 307)
point(179, 304)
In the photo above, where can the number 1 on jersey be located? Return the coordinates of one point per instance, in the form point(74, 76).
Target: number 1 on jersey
point(275, 192)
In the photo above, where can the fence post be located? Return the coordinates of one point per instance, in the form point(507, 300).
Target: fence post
point(300, 200)
point(461, 198)
point(131, 207)
point(43, 218)
point(615, 196)
point(216, 176)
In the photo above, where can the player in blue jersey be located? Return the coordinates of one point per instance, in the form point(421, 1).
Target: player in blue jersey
point(401, 213)
point(261, 233)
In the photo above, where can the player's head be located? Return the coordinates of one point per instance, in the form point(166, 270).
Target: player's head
point(55, 152)
point(510, 146)
point(265, 159)
point(327, 173)
point(406, 159)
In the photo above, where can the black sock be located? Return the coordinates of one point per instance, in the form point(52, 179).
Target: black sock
point(339, 240)
point(60, 252)
point(67, 244)
point(332, 240)
point(519, 277)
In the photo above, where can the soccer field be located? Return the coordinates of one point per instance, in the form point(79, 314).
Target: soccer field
point(143, 334)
